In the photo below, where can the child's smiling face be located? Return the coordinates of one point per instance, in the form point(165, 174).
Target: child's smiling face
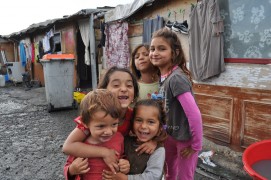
point(102, 127)
point(146, 123)
point(142, 60)
point(121, 84)
point(160, 53)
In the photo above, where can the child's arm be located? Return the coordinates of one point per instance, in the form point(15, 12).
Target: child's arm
point(193, 115)
point(147, 147)
point(67, 174)
point(74, 146)
point(75, 167)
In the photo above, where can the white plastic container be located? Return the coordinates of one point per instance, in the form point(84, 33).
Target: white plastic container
point(15, 70)
point(2, 81)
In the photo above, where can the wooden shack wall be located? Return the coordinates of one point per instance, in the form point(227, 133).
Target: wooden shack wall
point(68, 45)
point(9, 48)
point(163, 9)
point(233, 116)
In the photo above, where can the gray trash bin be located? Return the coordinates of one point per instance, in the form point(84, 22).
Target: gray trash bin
point(58, 75)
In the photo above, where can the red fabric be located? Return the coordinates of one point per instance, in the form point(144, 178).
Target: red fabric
point(81, 126)
point(124, 128)
point(33, 52)
point(66, 169)
point(97, 165)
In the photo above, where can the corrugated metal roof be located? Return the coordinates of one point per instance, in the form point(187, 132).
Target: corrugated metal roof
point(46, 24)
point(3, 38)
point(125, 11)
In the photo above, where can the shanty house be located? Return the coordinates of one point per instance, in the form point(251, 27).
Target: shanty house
point(235, 103)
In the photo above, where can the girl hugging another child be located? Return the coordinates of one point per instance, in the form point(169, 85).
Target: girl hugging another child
point(100, 111)
point(123, 85)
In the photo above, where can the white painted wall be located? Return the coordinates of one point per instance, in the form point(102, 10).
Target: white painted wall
point(243, 75)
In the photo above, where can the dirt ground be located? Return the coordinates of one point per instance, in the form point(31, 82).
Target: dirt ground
point(31, 140)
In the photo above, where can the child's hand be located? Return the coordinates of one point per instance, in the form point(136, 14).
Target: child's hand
point(147, 147)
point(124, 166)
point(79, 166)
point(187, 152)
point(111, 160)
point(120, 176)
point(108, 175)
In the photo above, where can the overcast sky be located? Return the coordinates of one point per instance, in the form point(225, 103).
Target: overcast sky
point(16, 15)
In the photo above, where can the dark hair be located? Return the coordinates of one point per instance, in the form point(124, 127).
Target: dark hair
point(133, 68)
point(177, 51)
point(106, 78)
point(99, 100)
point(161, 116)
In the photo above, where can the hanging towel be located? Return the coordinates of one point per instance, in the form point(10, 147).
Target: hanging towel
point(22, 54)
point(46, 44)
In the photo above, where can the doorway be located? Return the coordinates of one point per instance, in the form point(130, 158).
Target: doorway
point(83, 70)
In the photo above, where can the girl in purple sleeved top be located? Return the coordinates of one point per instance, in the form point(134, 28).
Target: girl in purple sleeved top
point(184, 123)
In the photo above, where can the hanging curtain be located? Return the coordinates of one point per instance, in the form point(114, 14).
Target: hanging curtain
point(117, 45)
point(206, 40)
point(85, 32)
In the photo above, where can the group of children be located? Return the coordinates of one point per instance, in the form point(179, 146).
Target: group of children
point(151, 138)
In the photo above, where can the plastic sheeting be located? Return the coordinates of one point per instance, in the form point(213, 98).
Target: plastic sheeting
point(125, 11)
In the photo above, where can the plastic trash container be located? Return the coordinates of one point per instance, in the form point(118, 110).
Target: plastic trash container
point(58, 75)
